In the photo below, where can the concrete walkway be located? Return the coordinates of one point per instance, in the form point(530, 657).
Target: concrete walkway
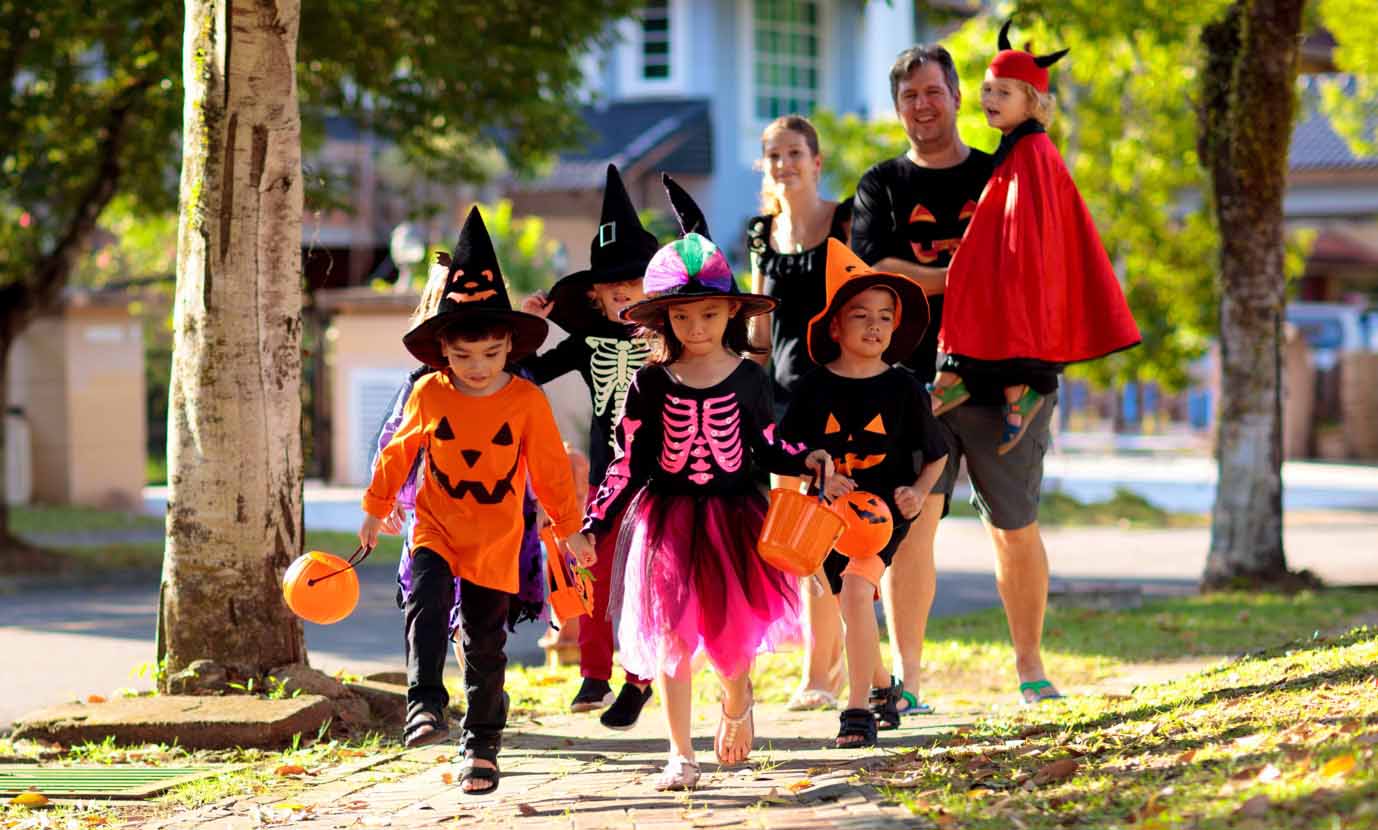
point(568, 772)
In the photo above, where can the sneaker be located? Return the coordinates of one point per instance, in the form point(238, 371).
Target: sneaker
point(627, 708)
point(593, 694)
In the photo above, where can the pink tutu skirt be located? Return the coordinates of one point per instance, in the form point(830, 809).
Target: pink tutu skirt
point(687, 577)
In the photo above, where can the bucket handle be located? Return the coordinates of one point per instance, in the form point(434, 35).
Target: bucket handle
point(817, 478)
point(354, 561)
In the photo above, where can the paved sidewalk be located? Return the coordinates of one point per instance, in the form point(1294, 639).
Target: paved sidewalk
point(568, 772)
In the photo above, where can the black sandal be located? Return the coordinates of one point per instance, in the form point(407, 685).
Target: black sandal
point(482, 751)
point(885, 702)
point(856, 723)
point(421, 716)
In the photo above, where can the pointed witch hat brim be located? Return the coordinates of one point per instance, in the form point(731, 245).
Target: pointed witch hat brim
point(848, 276)
point(474, 290)
point(620, 251)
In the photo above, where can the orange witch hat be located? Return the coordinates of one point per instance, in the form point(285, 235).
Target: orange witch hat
point(848, 276)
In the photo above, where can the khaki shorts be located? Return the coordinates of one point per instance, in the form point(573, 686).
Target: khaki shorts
point(1004, 488)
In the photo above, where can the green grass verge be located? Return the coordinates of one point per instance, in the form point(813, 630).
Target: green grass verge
point(28, 520)
point(1281, 738)
point(1125, 509)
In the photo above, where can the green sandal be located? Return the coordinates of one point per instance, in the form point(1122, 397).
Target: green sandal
point(913, 706)
point(1026, 408)
point(948, 398)
point(1037, 689)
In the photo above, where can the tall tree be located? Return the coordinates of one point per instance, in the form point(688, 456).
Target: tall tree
point(1245, 122)
point(234, 519)
point(91, 108)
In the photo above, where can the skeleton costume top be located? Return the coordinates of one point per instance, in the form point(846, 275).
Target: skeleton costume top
point(602, 351)
point(606, 355)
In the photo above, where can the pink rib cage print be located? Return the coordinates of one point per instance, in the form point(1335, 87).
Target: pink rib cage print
point(619, 472)
point(715, 431)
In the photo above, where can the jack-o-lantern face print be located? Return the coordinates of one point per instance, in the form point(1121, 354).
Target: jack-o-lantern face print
point(934, 238)
point(489, 468)
point(855, 450)
point(468, 288)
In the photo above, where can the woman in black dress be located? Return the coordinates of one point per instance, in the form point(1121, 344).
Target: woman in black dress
point(788, 244)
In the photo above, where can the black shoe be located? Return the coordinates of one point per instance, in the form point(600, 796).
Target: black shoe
point(593, 694)
point(627, 708)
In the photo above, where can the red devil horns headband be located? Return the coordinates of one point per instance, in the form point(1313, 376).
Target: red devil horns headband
point(1021, 65)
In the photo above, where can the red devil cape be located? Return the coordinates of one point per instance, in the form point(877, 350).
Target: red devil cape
point(1031, 278)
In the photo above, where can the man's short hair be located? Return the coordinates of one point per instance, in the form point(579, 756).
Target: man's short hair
point(915, 57)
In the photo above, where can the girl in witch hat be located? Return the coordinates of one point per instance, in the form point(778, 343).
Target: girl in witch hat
point(874, 420)
point(1031, 288)
point(698, 420)
point(606, 351)
point(478, 431)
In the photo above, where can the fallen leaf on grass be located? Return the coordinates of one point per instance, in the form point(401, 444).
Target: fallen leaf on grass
point(1249, 742)
point(550, 680)
point(1269, 773)
point(441, 759)
point(1056, 771)
point(95, 699)
point(774, 797)
point(800, 785)
point(527, 810)
point(290, 805)
point(30, 799)
point(1186, 757)
point(352, 753)
point(1338, 766)
point(1255, 807)
point(447, 778)
point(287, 770)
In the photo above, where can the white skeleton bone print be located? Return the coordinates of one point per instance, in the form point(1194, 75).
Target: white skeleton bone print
point(714, 431)
point(612, 366)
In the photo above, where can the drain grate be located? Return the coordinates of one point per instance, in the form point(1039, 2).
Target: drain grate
point(98, 782)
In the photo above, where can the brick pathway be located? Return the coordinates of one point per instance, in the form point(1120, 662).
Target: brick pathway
point(568, 772)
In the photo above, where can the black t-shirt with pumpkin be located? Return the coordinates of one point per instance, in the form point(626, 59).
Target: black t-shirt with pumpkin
point(918, 214)
point(879, 430)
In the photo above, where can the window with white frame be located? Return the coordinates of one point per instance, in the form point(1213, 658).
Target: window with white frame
point(655, 41)
point(786, 56)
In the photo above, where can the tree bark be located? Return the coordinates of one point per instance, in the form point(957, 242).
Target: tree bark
point(1245, 127)
point(234, 518)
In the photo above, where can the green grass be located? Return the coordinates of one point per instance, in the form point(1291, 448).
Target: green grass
point(968, 660)
point(1282, 738)
point(1123, 509)
point(33, 519)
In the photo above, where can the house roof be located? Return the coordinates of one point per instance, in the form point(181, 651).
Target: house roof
point(1315, 144)
point(674, 135)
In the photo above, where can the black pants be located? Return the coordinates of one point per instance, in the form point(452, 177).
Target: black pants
point(483, 615)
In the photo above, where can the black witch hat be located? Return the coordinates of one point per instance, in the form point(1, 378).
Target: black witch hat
point(691, 219)
point(619, 252)
point(474, 288)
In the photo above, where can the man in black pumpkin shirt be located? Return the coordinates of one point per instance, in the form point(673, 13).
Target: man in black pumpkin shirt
point(909, 216)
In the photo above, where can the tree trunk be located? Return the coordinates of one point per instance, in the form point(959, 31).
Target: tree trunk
point(234, 518)
point(1246, 119)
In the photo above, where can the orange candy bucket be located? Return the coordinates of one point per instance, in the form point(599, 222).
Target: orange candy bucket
point(799, 531)
point(322, 588)
point(571, 588)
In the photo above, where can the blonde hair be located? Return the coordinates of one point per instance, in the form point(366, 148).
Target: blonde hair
point(1042, 105)
point(436, 277)
point(770, 203)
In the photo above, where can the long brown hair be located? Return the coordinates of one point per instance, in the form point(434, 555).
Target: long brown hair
point(770, 203)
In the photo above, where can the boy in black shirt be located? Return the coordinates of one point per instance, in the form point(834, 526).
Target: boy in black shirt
point(875, 422)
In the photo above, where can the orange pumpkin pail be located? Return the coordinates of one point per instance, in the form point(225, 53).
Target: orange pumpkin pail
point(869, 524)
point(571, 587)
point(323, 588)
point(799, 531)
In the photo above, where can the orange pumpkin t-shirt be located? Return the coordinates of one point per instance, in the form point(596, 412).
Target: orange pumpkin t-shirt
point(477, 453)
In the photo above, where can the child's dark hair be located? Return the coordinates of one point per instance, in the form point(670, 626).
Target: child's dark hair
point(473, 328)
point(666, 348)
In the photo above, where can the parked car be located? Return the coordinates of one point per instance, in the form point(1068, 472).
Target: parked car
point(1331, 329)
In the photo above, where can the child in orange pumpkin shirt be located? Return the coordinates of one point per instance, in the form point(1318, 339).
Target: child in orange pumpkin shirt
point(479, 430)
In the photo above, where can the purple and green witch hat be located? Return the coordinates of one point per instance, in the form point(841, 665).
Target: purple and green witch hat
point(689, 269)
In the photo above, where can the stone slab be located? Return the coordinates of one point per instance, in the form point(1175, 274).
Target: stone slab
point(192, 722)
